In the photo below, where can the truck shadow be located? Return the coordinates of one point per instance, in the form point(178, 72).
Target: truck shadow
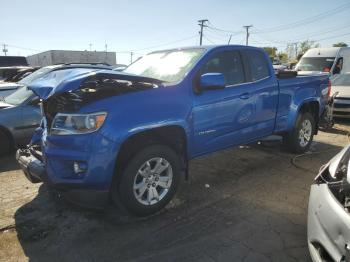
point(233, 200)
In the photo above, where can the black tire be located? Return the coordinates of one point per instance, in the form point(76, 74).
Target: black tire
point(125, 191)
point(5, 143)
point(292, 141)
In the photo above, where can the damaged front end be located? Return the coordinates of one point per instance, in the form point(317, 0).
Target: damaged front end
point(328, 214)
point(93, 88)
point(69, 150)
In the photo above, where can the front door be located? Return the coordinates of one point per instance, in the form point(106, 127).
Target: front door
point(224, 117)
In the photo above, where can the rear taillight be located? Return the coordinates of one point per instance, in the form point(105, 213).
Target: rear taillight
point(329, 88)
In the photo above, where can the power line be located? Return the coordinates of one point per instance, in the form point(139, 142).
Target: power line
point(212, 42)
point(321, 39)
point(211, 26)
point(305, 21)
point(156, 46)
point(24, 48)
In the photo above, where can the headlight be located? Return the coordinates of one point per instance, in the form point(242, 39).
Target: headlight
point(70, 124)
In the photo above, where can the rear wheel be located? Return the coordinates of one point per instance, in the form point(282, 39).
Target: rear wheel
point(149, 180)
point(5, 143)
point(300, 138)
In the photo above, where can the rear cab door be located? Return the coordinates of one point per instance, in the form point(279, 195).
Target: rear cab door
point(264, 88)
point(226, 117)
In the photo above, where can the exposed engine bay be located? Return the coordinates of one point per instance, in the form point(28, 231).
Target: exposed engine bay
point(94, 88)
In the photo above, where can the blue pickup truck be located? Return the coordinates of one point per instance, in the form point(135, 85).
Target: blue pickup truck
point(127, 137)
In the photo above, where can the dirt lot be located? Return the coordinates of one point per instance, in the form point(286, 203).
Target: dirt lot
point(244, 204)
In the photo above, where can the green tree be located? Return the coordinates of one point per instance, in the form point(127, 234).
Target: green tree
point(283, 57)
point(340, 44)
point(306, 45)
point(271, 51)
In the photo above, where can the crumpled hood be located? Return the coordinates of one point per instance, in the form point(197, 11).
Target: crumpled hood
point(60, 82)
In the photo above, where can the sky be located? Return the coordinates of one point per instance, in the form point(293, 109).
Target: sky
point(29, 27)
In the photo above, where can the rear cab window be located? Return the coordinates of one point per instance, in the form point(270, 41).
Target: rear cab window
point(228, 63)
point(257, 64)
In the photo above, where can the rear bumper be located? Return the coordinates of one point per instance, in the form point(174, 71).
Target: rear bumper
point(35, 171)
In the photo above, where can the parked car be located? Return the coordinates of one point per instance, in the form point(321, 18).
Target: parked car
point(129, 135)
point(341, 87)
point(328, 215)
point(332, 61)
point(11, 83)
point(10, 71)
point(9, 61)
point(20, 112)
point(22, 73)
point(8, 88)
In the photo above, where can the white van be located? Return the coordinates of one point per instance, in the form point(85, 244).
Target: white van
point(332, 61)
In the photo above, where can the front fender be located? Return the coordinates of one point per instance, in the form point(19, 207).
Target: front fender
point(153, 125)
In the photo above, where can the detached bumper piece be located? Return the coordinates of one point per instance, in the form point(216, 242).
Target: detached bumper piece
point(32, 167)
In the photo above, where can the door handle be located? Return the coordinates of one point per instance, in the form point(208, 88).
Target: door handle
point(244, 96)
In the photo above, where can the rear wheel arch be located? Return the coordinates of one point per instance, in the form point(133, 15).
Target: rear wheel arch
point(312, 107)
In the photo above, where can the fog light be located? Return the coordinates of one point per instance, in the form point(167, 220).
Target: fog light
point(79, 167)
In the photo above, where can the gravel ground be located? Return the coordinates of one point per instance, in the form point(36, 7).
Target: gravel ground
point(242, 204)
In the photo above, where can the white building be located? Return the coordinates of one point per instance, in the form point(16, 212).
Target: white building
point(53, 57)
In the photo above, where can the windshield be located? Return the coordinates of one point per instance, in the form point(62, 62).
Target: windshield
point(321, 64)
point(168, 66)
point(19, 96)
point(341, 80)
point(39, 73)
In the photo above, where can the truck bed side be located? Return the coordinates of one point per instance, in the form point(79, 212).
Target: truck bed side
point(296, 92)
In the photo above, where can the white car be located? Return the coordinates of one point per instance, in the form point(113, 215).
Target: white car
point(341, 85)
point(328, 226)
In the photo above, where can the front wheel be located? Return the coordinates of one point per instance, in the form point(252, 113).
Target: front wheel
point(149, 180)
point(300, 138)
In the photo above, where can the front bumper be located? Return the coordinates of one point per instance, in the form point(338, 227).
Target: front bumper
point(341, 107)
point(328, 226)
point(35, 171)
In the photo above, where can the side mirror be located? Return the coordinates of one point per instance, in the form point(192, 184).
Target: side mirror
point(212, 81)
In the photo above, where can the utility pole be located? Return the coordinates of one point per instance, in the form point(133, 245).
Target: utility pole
point(90, 46)
point(131, 54)
point(5, 50)
point(296, 50)
point(247, 33)
point(202, 25)
point(229, 40)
